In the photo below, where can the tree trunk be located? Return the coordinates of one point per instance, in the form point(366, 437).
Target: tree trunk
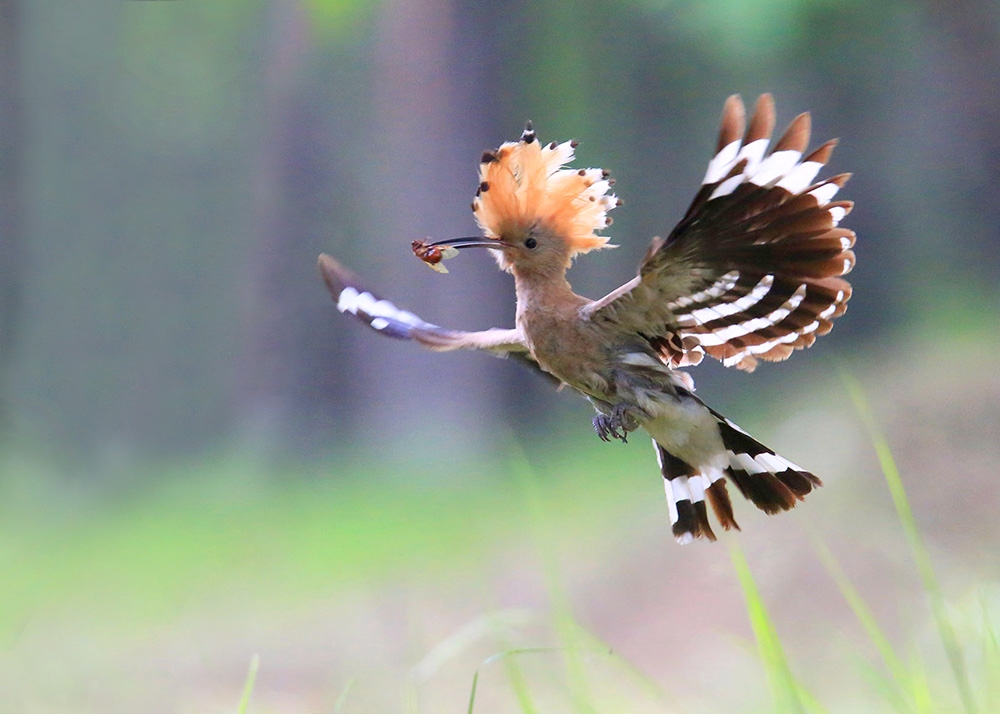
point(265, 403)
point(430, 114)
point(11, 187)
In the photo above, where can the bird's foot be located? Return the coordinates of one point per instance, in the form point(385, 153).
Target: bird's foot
point(622, 419)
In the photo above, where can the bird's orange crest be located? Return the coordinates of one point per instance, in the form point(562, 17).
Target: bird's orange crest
point(525, 185)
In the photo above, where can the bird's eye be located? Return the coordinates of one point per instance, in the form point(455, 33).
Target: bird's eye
point(530, 243)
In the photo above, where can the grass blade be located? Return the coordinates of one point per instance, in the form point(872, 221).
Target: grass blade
point(882, 683)
point(650, 687)
point(342, 699)
point(921, 685)
point(901, 678)
point(919, 550)
point(472, 692)
point(248, 685)
point(567, 630)
point(991, 663)
point(518, 682)
point(784, 689)
point(482, 628)
point(514, 674)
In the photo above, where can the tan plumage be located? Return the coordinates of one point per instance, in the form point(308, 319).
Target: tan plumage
point(752, 272)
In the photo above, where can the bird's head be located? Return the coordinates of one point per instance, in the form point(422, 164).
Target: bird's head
point(536, 213)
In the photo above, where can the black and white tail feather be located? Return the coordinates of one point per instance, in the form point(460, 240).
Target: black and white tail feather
point(769, 481)
point(752, 272)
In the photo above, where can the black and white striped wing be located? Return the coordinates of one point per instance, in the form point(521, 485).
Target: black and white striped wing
point(753, 269)
point(387, 319)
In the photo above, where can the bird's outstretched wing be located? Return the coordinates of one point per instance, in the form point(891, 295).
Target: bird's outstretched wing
point(752, 270)
point(391, 321)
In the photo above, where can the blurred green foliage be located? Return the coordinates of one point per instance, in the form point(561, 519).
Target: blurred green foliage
point(145, 557)
point(333, 20)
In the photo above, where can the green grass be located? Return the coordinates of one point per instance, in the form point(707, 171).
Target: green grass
point(916, 542)
point(903, 686)
point(248, 685)
point(785, 691)
point(283, 537)
point(282, 541)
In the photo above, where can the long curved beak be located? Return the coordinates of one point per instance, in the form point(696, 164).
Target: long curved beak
point(470, 243)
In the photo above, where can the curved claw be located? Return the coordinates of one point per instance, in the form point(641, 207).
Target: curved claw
point(618, 424)
point(605, 427)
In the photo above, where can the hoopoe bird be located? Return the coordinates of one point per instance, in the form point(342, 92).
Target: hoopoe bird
point(751, 272)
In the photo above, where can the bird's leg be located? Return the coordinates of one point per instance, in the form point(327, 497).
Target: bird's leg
point(622, 419)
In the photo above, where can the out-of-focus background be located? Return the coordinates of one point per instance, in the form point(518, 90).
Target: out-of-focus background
point(201, 460)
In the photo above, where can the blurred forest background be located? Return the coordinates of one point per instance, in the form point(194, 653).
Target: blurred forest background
point(169, 172)
point(172, 169)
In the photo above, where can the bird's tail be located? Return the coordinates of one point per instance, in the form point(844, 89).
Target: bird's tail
point(771, 482)
point(687, 488)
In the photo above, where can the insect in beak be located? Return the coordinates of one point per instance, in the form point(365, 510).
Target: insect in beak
point(434, 253)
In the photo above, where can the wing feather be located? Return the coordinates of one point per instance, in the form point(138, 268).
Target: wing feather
point(387, 319)
point(753, 270)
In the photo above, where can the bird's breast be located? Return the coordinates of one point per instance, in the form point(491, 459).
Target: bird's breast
point(572, 350)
